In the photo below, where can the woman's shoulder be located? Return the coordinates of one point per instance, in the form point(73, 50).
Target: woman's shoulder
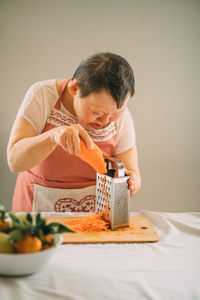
point(58, 83)
point(41, 95)
point(43, 85)
point(124, 119)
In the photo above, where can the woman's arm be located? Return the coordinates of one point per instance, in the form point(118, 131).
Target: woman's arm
point(26, 149)
point(130, 160)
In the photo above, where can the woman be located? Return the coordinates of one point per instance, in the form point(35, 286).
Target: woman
point(45, 139)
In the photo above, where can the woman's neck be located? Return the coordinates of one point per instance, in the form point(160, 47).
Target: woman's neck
point(67, 99)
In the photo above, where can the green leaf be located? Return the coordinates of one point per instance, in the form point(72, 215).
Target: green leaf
point(16, 235)
point(2, 211)
point(41, 235)
point(58, 228)
point(2, 215)
point(29, 218)
point(17, 221)
point(38, 219)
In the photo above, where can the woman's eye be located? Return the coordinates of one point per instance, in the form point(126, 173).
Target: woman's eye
point(98, 114)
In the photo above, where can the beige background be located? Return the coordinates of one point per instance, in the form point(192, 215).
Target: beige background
point(45, 39)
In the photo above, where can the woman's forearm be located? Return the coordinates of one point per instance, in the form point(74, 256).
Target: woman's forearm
point(27, 152)
point(26, 149)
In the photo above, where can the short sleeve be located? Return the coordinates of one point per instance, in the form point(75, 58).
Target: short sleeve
point(126, 138)
point(36, 105)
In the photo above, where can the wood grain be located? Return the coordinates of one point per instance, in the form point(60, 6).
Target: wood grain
point(142, 232)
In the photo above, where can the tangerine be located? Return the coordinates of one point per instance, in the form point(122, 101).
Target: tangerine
point(29, 244)
point(49, 239)
point(4, 225)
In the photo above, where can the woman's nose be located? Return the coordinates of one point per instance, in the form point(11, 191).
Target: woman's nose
point(104, 119)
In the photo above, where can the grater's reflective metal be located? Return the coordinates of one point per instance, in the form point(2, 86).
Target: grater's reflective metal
point(112, 189)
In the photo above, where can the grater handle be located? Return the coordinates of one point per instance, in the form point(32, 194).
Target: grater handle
point(117, 164)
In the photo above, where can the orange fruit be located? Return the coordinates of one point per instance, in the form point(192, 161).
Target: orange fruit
point(49, 239)
point(29, 244)
point(4, 225)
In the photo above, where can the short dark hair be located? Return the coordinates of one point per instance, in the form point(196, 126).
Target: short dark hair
point(106, 71)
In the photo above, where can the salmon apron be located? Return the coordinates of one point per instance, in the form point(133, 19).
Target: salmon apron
point(62, 182)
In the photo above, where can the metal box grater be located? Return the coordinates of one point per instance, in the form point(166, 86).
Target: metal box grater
point(112, 189)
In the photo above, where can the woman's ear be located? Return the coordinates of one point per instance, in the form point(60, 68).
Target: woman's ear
point(73, 87)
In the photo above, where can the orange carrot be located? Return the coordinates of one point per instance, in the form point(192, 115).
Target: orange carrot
point(88, 224)
point(93, 157)
point(93, 223)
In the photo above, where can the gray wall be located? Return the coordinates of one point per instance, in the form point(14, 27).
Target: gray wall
point(44, 39)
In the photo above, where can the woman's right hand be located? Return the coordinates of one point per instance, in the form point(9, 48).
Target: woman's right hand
point(68, 137)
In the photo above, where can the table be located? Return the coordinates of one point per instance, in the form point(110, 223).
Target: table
point(168, 269)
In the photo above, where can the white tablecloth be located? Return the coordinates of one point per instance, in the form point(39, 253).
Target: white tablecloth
point(168, 269)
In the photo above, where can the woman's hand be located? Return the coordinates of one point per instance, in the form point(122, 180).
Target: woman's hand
point(69, 138)
point(130, 160)
point(26, 148)
point(134, 182)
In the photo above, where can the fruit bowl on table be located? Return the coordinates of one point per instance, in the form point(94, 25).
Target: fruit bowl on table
point(27, 242)
point(18, 264)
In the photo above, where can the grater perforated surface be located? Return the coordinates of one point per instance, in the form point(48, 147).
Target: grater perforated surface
point(115, 192)
point(121, 202)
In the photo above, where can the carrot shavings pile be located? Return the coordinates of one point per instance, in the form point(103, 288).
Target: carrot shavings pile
point(93, 223)
point(90, 223)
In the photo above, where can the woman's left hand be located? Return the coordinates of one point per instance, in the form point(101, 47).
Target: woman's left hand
point(130, 161)
point(134, 182)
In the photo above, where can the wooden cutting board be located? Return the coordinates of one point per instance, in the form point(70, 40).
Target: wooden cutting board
point(142, 232)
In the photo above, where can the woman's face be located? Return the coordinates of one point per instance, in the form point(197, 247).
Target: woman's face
point(97, 110)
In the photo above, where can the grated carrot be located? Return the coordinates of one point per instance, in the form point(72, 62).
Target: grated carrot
point(95, 222)
point(90, 223)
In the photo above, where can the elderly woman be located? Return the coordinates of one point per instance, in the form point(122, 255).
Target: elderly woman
point(44, 144)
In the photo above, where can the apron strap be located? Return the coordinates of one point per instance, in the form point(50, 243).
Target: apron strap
point(61, 91)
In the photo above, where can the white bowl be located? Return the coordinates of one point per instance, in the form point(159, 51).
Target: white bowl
point(18, 264)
